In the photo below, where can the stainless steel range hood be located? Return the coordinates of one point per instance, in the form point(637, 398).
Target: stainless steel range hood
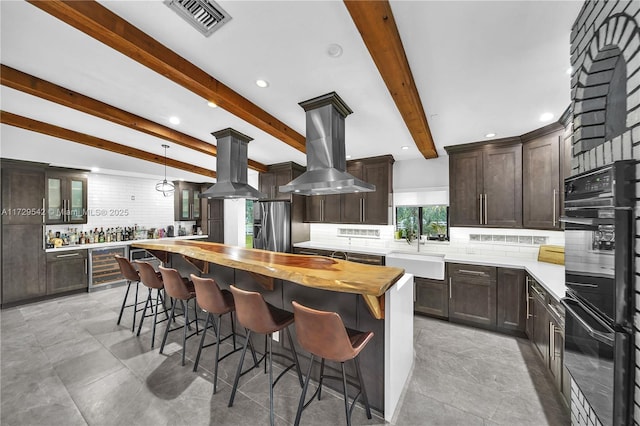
point(326, 162)
point(232, 167)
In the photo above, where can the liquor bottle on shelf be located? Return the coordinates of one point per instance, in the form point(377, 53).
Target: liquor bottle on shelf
point(101, 236)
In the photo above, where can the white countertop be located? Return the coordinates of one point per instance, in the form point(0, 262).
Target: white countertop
point(119, 243)
point(549, 275)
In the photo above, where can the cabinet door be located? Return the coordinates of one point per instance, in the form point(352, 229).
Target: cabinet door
point(556, 348)
point(56, 202)
point(540, 327)
point(502, 183)
point(465, 183)
point(23, 263)
point(352, 205)
point(322, 208)
point(215, 223)
point(283, 177)
point(195, 210)
point(472, 294)
point(267, 184)
point(511, 315)
point(66, 271)
point(313, 208)
point(22, 196)
point(376, 207)
point(432, 297)
point(185, 204)
point(529, 309)
point(541, 182)
point(66, 196)
point(77, 200)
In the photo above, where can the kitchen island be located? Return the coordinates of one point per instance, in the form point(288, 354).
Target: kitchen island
point(368, 298)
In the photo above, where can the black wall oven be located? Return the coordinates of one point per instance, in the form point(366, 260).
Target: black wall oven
point(599, 277)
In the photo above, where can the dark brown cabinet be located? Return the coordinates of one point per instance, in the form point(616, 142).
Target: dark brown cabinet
point(66, 195)
point(511, 315)
point(22, 237)
point(213, 220)
point(371, 208)
point(323, 209)
point(485, 184)
point(278, 175)
point(431, 297)
point(187, 200)
point(541, 178)
point(538, 306)
point(67, 271)
point(472, 294)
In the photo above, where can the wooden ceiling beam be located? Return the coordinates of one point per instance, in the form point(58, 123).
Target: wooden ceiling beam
point(105, 26)
point(377, 26)
point(92, 141)
point(35, 86)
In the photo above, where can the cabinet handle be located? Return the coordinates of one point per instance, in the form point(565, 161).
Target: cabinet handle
point(555, 221)
point(528, 297)
point(86, 267)
point(552, 342)
point(480, 211)
point(449, 287)
point(486, 215)
point(466, 271)
point(68, 255)
point(322, 210)
point(363, 210)
point(537, 292)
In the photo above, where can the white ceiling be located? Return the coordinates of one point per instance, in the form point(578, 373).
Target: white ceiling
point(479, 66)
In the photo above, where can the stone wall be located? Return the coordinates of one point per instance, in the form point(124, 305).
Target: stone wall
point(605, 93)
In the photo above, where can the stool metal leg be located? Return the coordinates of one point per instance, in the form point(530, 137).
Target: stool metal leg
point(217, 360)
point(155, 319)
point(204, 334)
point(362, 388)
point(239, 370)
point(184, 329)
point(166, 330)
point(135, 308)
point(144, 312)
point(346, 395)
point(321, 377)
point(301, 404)
point(124, 302)
point(295, 357)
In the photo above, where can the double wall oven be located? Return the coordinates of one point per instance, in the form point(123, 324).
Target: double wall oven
point(599, 230)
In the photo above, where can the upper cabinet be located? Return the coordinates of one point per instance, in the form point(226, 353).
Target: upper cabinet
point(187, 200)
point(541, 178)
point(278, 175)
point(371, 208)
point(66, 197)
point(486, 184)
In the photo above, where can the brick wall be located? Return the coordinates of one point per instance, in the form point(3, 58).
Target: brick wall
point(605, 84)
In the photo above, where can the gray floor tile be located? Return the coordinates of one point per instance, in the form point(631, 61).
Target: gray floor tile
point(79, 367)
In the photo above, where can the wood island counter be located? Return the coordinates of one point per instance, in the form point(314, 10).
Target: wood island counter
point(367, 297)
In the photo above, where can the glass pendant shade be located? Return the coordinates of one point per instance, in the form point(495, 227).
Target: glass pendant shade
point(165, 186)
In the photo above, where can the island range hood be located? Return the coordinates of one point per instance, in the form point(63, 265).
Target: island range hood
point(232, 167)
point(326, 161)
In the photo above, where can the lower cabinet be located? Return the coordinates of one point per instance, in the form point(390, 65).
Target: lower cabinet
point(472, 294)
point(431, 297)
point(512, 311)
point(23, 263)
point(67, 271)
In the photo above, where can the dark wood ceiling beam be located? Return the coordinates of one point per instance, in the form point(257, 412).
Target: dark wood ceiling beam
point(92, 141)
point(375, 22)
point(105, 26)
point(35, 86)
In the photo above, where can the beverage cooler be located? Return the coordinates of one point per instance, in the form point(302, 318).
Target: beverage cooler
point(104, 271)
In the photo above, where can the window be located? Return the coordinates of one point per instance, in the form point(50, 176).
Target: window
point(248, 222)
point(432, 222)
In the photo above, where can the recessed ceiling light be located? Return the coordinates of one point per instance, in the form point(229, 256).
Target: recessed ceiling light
point(95, 169)
point(338, 187)
point(404, 147)
point(489, 135)
point(547, 116)
point(348, 156)
point(174, 120)
point(569, 70)
point(212, 104)
point(334, 50)
point(262, 83)
point(296, 190)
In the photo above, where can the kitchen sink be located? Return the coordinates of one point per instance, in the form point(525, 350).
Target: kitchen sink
point(420, 265)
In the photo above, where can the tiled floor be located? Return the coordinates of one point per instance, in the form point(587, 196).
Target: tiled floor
point(66, 362)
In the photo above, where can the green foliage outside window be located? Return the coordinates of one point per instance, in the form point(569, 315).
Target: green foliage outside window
point(430, 221)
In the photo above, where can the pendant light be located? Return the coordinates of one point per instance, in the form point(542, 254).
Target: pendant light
point(165, 186)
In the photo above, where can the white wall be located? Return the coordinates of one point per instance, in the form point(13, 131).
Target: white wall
point(421, 173)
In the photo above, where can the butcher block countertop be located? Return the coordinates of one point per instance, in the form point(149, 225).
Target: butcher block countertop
point(312, 271)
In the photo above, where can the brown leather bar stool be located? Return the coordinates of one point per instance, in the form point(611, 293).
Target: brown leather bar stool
point(179, 289)
point(153, 281)
point(215, 302)
point(324, 335)
point(131, 275)
point(257, 316)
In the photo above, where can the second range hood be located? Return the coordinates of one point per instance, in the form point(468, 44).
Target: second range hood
point(326, 161)
point(232, 167)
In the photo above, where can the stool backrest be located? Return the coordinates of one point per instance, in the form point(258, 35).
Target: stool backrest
point(148, 275)
point(209, 296)
point(173, 284)
point(252, 311)
point(322, 333)
point(126, 269)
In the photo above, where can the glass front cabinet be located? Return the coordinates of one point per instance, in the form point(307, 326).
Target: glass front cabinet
point(66, 197)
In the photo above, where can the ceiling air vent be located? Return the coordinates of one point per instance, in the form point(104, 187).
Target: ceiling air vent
point(204, 15)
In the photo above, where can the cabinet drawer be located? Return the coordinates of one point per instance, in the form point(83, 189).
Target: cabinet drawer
point(476, 272)
point(66, 255)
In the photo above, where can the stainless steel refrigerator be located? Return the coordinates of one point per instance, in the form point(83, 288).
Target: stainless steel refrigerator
point(272, 226)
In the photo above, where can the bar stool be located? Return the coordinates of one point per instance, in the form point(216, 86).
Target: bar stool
point(216, 302)
point(131, 275)
point(257, 316)
point(152, 280)
point(179, 289)
point(324, 335)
